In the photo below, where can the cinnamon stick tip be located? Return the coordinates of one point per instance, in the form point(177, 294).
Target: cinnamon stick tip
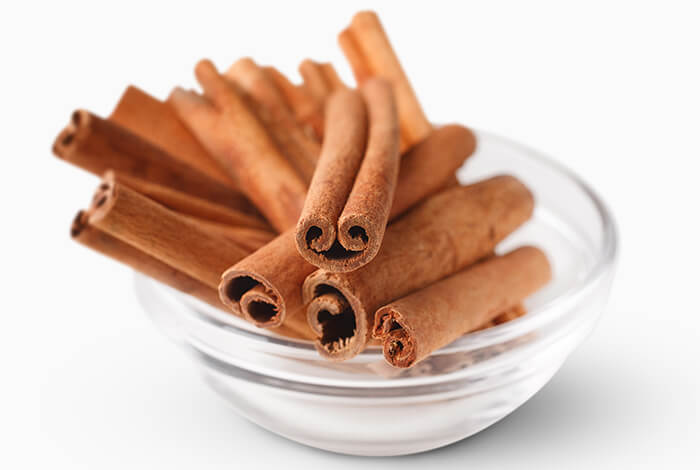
point(399, 347)
point(79, 223)
point(205, 68)
point(70, 135)
point(241, 65)
point(314, 233)
point(252, 297)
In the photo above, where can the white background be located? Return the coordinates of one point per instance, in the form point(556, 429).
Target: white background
point(611, 89)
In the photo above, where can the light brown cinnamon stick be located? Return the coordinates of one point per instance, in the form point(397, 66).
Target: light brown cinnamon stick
point(444, 234)
point(157, 122)
point(367, 48)
point(97, 145)
point(163, 234)
point(320, 80)
point(347, 208)
point(412, 327)
point(430, 166)
point(306, 109)
point(238, 140)
point(301, 150)
point(280, 268)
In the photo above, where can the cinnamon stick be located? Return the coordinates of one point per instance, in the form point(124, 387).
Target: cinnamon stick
point(88, 235)
point(346, 211)
point(367, 48)
point(191, 205)
point(320, 79)
point(301, 150)
point(412, 327)
point(430, 166)
point(444, 234)
point(157, 122)
point(308, 111)
point(97, 145)
point(232, 134)
point(281, 270)
point(107, 245)
point(163, 234)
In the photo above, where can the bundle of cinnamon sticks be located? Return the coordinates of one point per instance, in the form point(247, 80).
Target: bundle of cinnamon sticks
point(322, 211)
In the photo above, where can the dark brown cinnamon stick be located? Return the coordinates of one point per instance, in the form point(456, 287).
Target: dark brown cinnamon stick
point(412, 327)
point(237, 139)
point(444, 234)
point(278, 265)
point(347, 208)
point(98, 145)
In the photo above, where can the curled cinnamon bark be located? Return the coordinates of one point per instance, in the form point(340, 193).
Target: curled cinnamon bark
point(233, 135)
point(306, 109)
point(347, 208)
point(281, 270)
point(170, 237)
point(412, 327)
point(97, 145)
point(442, 235)
point(302, 151)
point(367, 48)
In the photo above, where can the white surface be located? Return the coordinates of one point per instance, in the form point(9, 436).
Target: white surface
point(609, 88)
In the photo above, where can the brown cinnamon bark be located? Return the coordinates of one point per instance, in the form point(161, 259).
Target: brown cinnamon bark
point(107, 245)
point(320, 79)
point(347, 208)
point(157, 122)
point(278, 265)
point(430, 166)
point(191, 205)
point(163, 234)
point(444, 234)
point(412, 327)
point(301, 150)
point(367, 48)
point(306, 109)
point(237, 139)
point(92, 237)
point(97, 145)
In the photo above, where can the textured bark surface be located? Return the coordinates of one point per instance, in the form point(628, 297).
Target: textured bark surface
point(412, 327)
point(444, 234)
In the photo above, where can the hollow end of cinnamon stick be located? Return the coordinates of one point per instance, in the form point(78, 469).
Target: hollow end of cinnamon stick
point(79, 223)
point(398, 345)
point(348, 249)
point(252, 297)
point(69, 138)
point(336, 317)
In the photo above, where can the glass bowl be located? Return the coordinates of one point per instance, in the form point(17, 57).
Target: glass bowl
point(365, 407)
